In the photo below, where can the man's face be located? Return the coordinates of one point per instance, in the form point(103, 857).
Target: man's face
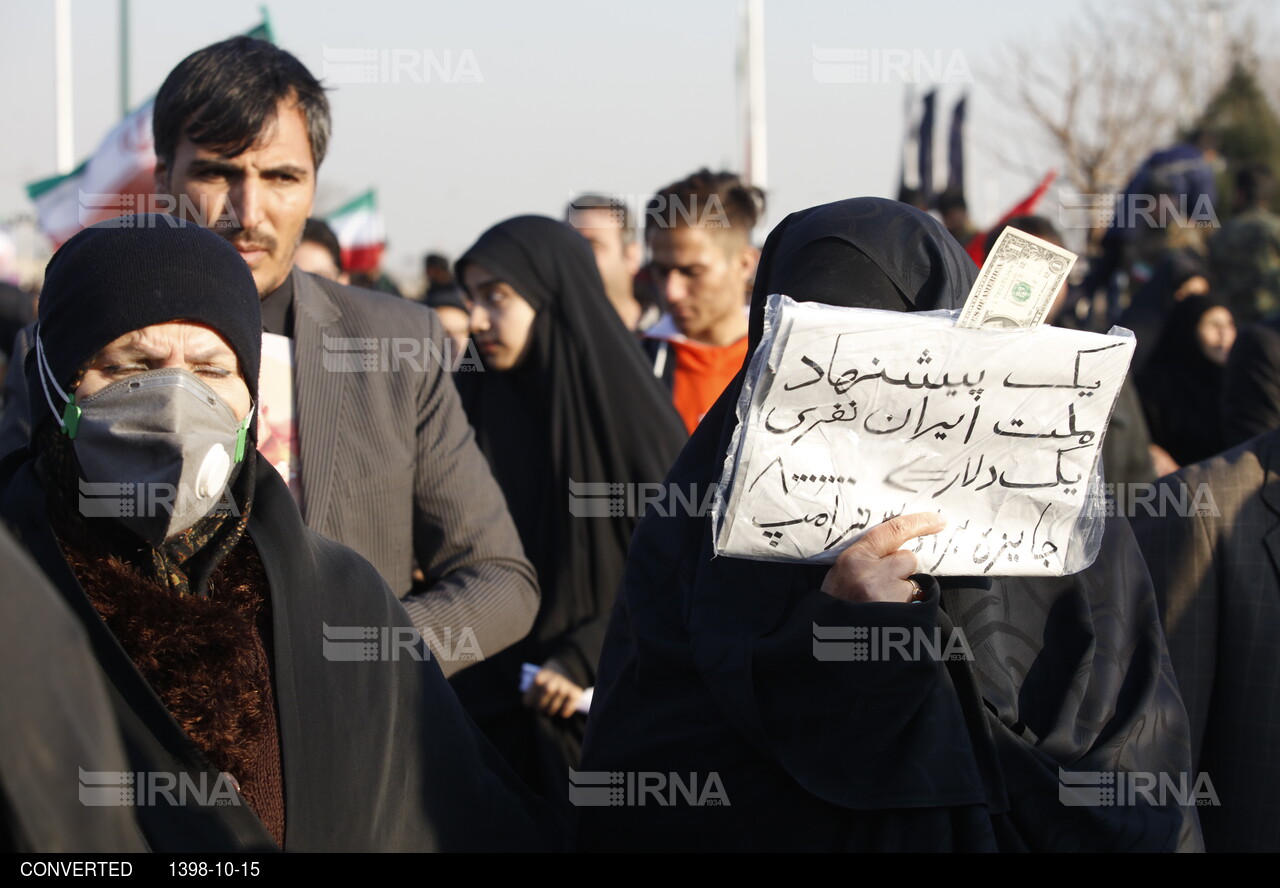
point(703, 275)
point(617, 260)
point(259, 200)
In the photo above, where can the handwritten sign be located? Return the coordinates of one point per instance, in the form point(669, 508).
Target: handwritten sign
point(852, 416)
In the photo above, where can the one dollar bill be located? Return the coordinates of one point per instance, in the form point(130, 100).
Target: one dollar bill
point(1017, 283)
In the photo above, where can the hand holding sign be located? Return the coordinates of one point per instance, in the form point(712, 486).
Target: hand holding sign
point(876, 567)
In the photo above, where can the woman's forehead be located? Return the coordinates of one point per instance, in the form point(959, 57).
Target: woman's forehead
point(190, 340)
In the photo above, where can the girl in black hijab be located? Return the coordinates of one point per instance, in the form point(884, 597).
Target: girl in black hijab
point(566, 399)
point(709, 671)
point(1181, 387)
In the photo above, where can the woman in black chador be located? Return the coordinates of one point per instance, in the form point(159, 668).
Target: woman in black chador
point(565, 399)
point(708, 671)
point(1181, 386)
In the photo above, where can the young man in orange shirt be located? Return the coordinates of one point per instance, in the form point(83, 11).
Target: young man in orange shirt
point(699, 236)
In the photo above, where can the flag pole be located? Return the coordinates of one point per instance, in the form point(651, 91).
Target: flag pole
point(757, 166)
point(124, 59)
point(63, 118)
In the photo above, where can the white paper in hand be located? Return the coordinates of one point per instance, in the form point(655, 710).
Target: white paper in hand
point(852, 416)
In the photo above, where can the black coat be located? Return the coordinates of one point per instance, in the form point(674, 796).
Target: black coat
point(41, 753)
point(1251, 384)
point(1217, 580)
point(711, 670)
point(376, 755)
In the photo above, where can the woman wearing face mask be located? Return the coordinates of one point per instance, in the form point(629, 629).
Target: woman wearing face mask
point(225, 627)
point(1181, 387)
point(565, 399)
point(709, 670)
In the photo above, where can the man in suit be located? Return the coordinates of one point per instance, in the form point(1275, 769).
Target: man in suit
point(1217, 580)
point(378, 452)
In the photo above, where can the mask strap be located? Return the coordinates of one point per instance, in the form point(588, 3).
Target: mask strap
point(69, 418)
point(242, 434)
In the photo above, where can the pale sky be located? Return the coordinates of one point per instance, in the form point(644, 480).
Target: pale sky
point(575, 96)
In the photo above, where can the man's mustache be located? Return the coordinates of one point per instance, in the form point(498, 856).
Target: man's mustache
point(248, 239)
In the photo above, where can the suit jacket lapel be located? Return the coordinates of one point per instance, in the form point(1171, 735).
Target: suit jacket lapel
point(318, 388)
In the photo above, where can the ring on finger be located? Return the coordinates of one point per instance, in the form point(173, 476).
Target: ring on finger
point(917, 592)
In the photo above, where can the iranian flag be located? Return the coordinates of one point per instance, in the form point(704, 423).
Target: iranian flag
point(118, 178)
point(360, 231)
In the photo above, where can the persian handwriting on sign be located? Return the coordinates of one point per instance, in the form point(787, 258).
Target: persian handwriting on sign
point(853, 416)
point(1018, 282)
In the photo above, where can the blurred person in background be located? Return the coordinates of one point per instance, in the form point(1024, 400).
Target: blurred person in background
point(607, 225)
point(702, 261)
point(1181, 386)
point(449, 302)
point(319, 252)
point(1245, 253)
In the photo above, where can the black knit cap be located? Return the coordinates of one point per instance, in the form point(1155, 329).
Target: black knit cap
point(134, 271)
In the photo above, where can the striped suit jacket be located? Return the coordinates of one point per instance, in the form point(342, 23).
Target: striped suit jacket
point(390, 468)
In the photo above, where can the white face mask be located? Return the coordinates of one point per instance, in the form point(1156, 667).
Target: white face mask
point(165, 437)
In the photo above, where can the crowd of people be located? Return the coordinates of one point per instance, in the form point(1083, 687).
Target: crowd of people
point(382, 604)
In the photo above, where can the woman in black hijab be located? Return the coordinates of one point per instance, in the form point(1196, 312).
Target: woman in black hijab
point(1181, 386)
point(709, 674)
point(566, 399)
point(1179, 274)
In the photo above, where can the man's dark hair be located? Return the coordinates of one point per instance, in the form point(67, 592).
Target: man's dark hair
point(317, 231)
point(1254, 186)
point(706, 199)
point(1036, 226)
point(222, 96)
point(616, 207)
point(437, 261)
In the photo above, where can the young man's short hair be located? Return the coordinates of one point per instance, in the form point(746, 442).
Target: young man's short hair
point(719, 201)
